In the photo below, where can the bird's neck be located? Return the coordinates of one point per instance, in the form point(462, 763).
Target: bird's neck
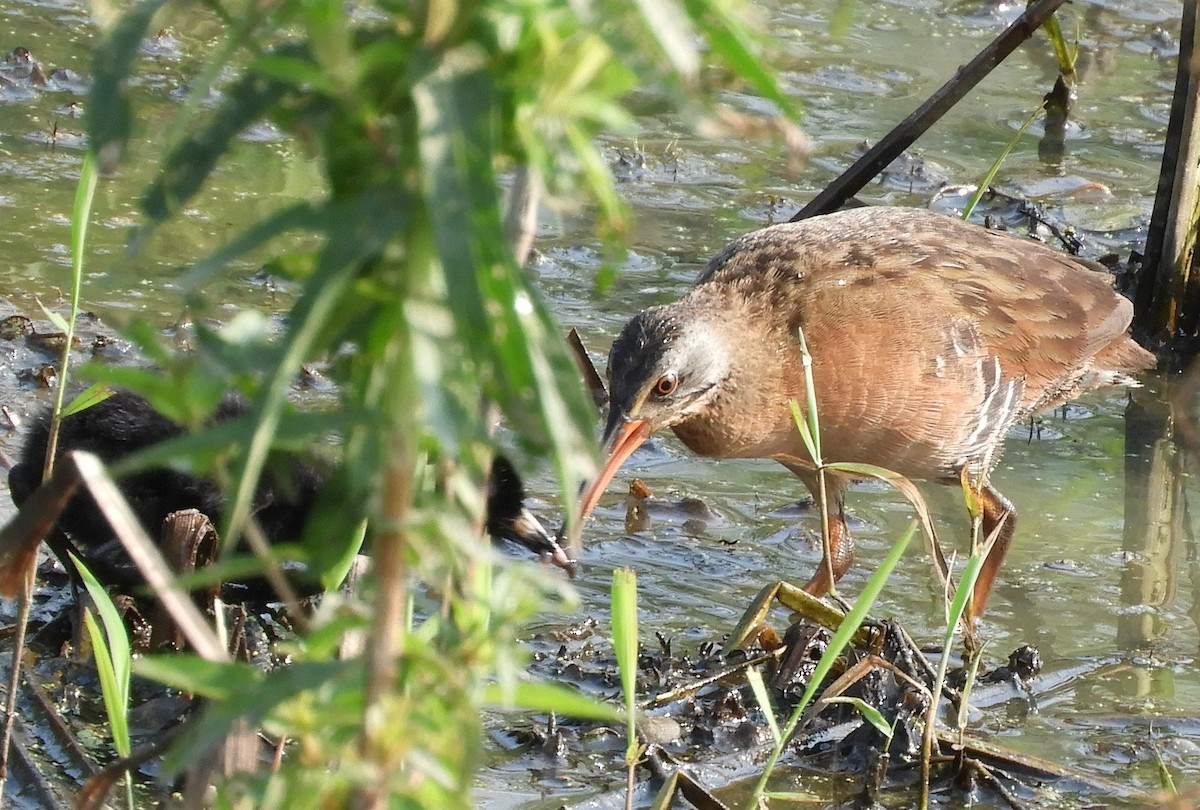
point(749, 407)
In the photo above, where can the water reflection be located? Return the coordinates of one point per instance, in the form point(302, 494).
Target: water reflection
point(1157, 532)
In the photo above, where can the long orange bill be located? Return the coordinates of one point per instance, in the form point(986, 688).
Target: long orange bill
point(624, 437)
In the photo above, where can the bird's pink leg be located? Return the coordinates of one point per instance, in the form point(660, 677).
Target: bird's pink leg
point(840, 554)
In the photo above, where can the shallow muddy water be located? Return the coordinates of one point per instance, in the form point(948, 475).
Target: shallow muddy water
point(1114, 614)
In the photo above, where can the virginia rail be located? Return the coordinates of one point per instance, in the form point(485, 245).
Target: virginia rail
point(125, 423)
point(929, 338)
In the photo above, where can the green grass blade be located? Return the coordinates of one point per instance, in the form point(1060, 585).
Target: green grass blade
point(871, 714)
point(994, 169)
point(624, 628)
point(333, 575)
point(110, 686)
point(548, 697)
point(810, 394)
point(114, 657)
point(56, 320)
point(854, 619)
point(109, 117)
point(94, 394)
point(810, 442)
point(759, 688)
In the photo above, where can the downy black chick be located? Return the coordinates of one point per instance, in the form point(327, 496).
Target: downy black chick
point(125, 423)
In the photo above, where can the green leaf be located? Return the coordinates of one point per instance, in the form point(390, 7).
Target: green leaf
point(810, 442)
point(189, 164)
point(624, 627)
point(548, 697)
point(841, 638)
point(108, 111)
point(218, 680)
point(871, 714)
point(246, 702)
point(810, 394)
point(94, 394)
point(56, 320)
point(671, 27)
point(755, 679)
point(986, 182)
point(113, 657)
point(962, 594)
point(497, 315)
point(732, 40)
point(335, 573)
point(625, 643)
point(115, 703)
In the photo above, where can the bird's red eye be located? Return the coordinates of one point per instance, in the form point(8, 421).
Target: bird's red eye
point(665, 385)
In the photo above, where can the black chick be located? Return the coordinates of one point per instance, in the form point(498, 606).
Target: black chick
point(121, 425)
point(125, 423)
point(508, 519)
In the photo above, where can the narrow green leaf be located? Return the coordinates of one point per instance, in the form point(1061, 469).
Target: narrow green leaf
point(81, 212)
point(759, 688)
point(871, 714)
point(548, 697)
point(110, 688)
point(113, 657)
point(335, 574)
point(669, 24)
point(108, 112)
point(964, 702)
point(805, 432)
point(248, 697)
point(189, 164)
point(624, 625)
point(841, 638)
point(517, 348)
point(625, 643)
point(114, 627)
point(183, 399)
point(665, 798)
point(56, 320)
point(191, 673)
point(732, 40)
point(1166, 781)
point(810, 394)
point(994, 169)
point(1062, 52)
point(962, 594)
point(94, 394)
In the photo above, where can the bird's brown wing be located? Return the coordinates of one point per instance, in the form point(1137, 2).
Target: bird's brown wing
point(929, 335)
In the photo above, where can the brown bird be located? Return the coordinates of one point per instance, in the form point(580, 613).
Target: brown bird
point(929, 338)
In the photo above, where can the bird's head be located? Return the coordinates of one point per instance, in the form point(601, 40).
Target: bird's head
point(665, 367)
